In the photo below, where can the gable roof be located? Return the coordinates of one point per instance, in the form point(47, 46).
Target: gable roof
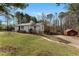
point(23, 24)
point(69, 30)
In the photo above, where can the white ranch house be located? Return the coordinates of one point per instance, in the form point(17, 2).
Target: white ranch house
point(35, 27)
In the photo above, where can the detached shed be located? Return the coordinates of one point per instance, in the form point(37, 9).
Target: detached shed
point(70, 32)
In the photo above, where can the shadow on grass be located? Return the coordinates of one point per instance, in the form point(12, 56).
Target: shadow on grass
point(57, 39)
point(63, 41)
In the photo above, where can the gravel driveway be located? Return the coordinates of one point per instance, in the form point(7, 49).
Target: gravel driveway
point(74, 41)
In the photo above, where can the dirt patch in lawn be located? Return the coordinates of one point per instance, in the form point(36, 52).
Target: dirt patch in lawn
point(8, 49)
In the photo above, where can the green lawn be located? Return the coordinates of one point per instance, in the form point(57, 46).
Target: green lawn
point(27, 44)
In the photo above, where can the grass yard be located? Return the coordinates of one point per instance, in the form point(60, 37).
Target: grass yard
point(27, 44)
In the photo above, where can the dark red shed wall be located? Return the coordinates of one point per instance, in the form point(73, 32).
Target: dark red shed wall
point(71, 33)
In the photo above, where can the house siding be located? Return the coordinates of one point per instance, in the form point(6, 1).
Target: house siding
point(38, 27)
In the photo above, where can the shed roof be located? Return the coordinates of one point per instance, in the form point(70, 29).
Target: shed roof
point(69, 30)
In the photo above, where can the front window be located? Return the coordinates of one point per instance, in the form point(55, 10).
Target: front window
point(22, 27)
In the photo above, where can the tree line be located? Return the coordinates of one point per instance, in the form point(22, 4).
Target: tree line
point(53, 23)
